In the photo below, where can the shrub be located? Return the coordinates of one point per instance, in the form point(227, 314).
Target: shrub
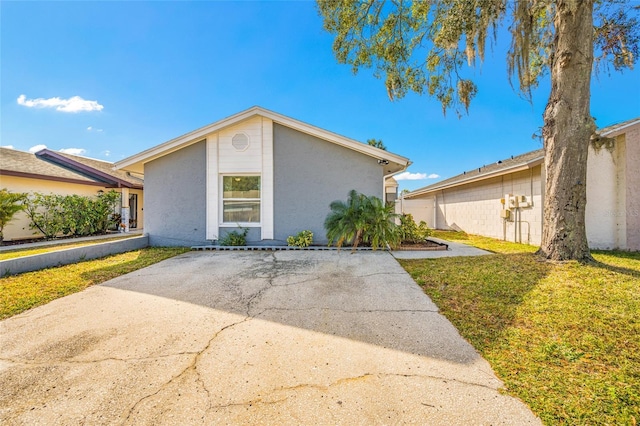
point(46, 214)
point(235, 238)
point(361, 219)
point(411, 232)
point(10, 204)
point(103, 211)
point(71, 214)
point(302, 239)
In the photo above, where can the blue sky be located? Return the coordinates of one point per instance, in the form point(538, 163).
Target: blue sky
point(141, 73)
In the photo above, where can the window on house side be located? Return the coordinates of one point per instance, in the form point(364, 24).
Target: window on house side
point(241, 199)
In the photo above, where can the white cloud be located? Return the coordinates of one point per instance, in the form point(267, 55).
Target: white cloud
point(73, 151)
point(91, 129)
point(73, 104)
point(106, 153)
point(410, 176)
point(37, 148)
point(433, 176)
point(7, 146)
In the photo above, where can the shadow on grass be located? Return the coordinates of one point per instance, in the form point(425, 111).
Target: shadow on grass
point(146, 257)
point(28, 290)
point(607, 258)
point(479, 295)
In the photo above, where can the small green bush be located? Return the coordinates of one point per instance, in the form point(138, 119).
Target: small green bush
point(76, 215)
point(302, 239)
point(235, 238)
point(10, 204)
point(411, 232)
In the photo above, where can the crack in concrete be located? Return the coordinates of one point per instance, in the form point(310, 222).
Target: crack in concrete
point(293, 388)
point(357, 311)
point(444, 379)
point(313, 278)
point(62, 362)
point(379, 273)
point(191, 366)
point(339, 382)
point(271, 273)
point(250, 403)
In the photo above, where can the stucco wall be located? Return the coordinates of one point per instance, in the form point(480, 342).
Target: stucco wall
point(475, 208)
point(18, 228)
point(613, 194)
point(420, 209)
point(632, 142)
point(175, 193)
point(309, 174)
point(605, 213)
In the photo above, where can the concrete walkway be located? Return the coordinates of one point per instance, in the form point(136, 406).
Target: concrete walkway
point(248, 338)
point(455, 249)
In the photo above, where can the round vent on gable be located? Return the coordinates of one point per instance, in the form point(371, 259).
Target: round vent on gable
point(240, 141)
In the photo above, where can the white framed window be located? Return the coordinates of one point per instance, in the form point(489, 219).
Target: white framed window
point(241, 197)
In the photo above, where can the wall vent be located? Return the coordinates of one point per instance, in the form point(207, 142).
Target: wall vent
point(240, 142)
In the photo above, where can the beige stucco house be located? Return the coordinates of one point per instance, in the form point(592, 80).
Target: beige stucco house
point(58, 173)
point(504, 200)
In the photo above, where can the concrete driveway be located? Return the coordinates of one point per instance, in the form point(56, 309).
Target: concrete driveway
point(248, 338)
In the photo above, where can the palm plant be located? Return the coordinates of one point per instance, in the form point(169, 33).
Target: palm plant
point(361, 219)
point(380, 228)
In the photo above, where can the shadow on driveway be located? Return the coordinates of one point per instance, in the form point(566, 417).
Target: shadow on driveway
point(246, 338)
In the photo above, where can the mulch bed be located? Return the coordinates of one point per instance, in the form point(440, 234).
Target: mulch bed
point(423, 246)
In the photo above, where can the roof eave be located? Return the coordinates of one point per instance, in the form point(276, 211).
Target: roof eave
point(617, 129)
point(108, 179)
point(136, 162)
point(52, 178)
point(513, 169)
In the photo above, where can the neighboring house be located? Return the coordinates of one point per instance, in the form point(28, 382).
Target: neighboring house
point(256, 169)
point(505, 200)
point(51, 172)
point(390, 190)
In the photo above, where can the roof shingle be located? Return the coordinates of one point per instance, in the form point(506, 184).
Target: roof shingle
point(58, 166)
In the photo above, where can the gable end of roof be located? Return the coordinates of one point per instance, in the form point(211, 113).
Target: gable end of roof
point(135, 162)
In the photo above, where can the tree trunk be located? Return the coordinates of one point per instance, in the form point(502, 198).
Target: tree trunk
point(567, 130)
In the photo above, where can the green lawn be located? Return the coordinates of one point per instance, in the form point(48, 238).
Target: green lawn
point(64, 244)
point(25, 291)
point(564, 337)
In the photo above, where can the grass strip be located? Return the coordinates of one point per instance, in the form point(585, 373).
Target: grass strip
point(562, 336)
point(485, 243)
point(25, 291)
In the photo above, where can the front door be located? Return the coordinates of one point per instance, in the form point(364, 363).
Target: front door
point(133, 211)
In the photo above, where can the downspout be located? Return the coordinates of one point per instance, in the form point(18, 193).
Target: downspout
point(444, 210)
point(435, 211)
point(504, 206)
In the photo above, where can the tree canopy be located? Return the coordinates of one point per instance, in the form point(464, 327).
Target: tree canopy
point(428, 47)
point(423, 46)
point(377, 143)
